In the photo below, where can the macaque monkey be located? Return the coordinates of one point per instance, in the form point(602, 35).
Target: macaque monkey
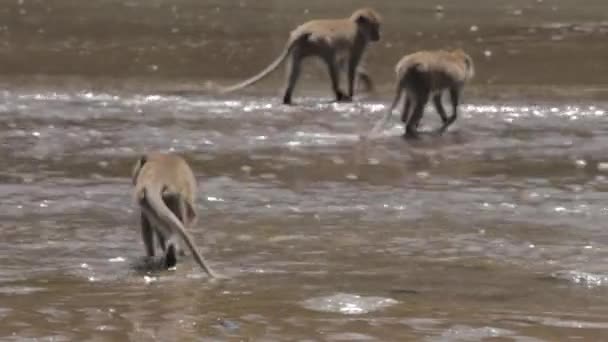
point(165, 189)
point(331, 40)
point(363, 81)
point(426, 74)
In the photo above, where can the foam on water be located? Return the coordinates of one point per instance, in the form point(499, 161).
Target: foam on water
point(348, 304)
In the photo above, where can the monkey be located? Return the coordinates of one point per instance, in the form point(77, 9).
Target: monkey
point(427, 74)
point(330, 40)
point(165, 189)
point(363, 80)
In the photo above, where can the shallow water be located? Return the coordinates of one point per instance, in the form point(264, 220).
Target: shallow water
point(494, 231)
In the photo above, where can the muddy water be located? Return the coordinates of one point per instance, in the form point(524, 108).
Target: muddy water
point(495, 231)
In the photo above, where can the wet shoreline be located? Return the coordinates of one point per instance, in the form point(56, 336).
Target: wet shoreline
point(308, 90)
point(514, 43)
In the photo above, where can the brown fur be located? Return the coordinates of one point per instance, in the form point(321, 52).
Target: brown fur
point(165, 189)
point(426, 74)
point(331, 40)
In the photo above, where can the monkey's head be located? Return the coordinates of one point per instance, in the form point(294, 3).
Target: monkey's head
point(137, 168)
point(368, 21)
point(468, 62)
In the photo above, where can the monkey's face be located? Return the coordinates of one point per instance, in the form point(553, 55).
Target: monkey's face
point(370, 27)
point(374, 32)
point(466, 60)
point(368, 21)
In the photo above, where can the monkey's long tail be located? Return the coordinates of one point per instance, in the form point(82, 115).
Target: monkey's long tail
point(152, 196)
point(264, 72)
point(382, 122)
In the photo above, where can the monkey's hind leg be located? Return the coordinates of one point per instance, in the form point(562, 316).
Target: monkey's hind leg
point(150, 226)
point(407, 106)
point(171, 254)
point(455, 99)
point(441, 111)
point(175, 203)
point(293, 68)
point(161, 240)
point(411, 129)
point(160, 228)
point(147, 234)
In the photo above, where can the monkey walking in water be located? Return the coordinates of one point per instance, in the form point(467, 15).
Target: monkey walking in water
point(427, 74)
point(363, 81)
point(165, 189)
point(331, 40)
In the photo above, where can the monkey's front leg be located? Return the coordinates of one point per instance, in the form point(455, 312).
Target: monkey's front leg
point(332, 67)
point(353, 63)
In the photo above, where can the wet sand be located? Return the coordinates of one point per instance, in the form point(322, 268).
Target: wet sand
point(494, 231)
point(528, 44)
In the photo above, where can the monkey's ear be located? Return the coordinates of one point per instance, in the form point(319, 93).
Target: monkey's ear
point(362, 19)
point(138, 165)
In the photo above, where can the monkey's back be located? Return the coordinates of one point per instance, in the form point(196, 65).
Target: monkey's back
point(169, 170)
point(338, 33)
point(440, 69)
